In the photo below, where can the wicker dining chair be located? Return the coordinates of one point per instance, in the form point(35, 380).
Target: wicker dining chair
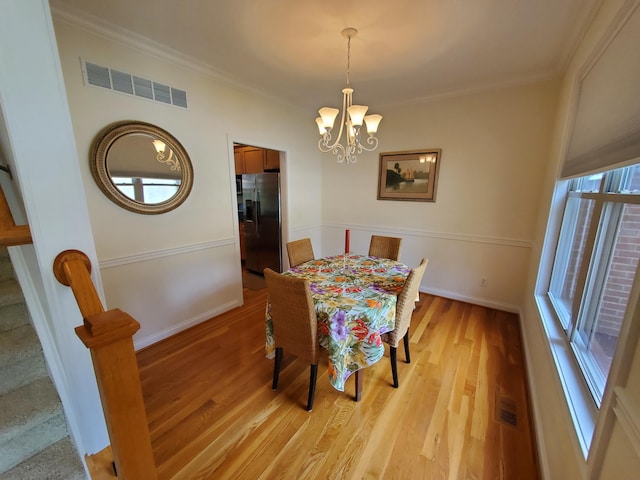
point(295, 326)
point(300, 251)
point(404, 309)
point(385, 247)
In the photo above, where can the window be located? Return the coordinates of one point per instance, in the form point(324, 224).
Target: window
point(594, 267)
point(147, 190)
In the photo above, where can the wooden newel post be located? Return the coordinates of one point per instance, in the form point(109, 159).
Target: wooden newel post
point(109, 337)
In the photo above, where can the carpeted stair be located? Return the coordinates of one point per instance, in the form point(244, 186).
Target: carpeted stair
point(34, 441)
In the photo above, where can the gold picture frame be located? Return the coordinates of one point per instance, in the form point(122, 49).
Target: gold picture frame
point(409, 176)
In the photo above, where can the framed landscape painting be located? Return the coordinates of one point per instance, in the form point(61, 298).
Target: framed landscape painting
point(410, 176)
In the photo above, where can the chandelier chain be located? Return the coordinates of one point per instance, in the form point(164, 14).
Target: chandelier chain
point(348, 58)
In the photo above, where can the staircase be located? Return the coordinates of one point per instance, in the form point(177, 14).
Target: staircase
point(34, 441)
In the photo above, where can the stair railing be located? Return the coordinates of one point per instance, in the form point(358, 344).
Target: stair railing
point(109, 337)
point(10, 233)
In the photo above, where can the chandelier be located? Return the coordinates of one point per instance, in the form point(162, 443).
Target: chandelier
point(350, 122)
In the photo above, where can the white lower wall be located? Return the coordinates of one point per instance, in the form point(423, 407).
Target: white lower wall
point(457, 263)
point(192, 294)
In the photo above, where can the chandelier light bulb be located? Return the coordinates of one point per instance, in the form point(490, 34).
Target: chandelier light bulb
point(159, 146)
point(372, 122)
point(171, 161)
point(328, 116)
point(321, 127)
point(356, 113)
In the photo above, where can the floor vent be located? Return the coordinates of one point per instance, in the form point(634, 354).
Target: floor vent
point(126, 83)
point(506, 410)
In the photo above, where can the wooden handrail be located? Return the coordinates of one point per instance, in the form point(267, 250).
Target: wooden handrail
point(10, 233)
point(109, 337)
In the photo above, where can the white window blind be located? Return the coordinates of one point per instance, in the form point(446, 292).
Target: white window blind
point(606, 130)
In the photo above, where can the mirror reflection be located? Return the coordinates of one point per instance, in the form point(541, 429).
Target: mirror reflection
point(144, 168)
point(141, 167)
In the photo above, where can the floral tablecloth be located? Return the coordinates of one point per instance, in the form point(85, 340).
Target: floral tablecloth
point(355, 298)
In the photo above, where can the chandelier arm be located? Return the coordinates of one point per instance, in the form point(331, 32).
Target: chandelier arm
point(351, 157)
point(172, 161)
point(342, 123)
point(372, 141)
point(346, 103)
point(336, 149)
point(342, 117)
point(323, 143)
point(340, 152)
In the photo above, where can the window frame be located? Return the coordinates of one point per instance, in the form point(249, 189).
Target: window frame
point(580, 399)
point(140, 186)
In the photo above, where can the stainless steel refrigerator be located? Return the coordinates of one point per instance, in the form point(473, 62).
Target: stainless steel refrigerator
point(261, 197)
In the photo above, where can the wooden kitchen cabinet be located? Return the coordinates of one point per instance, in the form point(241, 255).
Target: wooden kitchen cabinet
point(255, 160)
point(272, 160)
point(238, 157)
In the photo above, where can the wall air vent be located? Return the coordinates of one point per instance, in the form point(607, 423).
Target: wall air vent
point(143, 87)
point(126, 83)
point(121, 82)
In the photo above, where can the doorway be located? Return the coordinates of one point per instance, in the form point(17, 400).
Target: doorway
point(259, 212)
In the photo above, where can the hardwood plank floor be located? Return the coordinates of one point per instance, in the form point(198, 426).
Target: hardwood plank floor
point(460, 412)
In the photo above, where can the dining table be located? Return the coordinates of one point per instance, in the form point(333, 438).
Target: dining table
point(355, 300)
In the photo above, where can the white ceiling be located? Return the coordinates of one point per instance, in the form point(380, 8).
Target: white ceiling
point(405, 49)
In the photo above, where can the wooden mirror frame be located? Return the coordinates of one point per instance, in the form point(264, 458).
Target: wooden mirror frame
point(99, 169)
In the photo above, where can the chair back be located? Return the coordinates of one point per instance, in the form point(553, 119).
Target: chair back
point(406, 304)
point(385, 247)
point(300, 251)
point(295, 326)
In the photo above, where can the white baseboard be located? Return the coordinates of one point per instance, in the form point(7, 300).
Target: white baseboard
point(156, 337)
point(543, 461)
point(483, 302)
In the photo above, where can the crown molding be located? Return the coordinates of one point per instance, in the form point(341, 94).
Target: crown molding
point(96, 26)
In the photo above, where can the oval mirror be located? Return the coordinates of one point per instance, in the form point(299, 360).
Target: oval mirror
point(141, 167)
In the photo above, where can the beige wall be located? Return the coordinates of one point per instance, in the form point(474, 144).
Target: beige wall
point(176, 269)
point(494, 154)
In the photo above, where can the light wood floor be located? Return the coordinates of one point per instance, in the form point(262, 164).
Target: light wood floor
point(460, 412)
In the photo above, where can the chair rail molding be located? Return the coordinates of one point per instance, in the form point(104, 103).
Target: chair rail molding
point(503, 241)
point(153, 255)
